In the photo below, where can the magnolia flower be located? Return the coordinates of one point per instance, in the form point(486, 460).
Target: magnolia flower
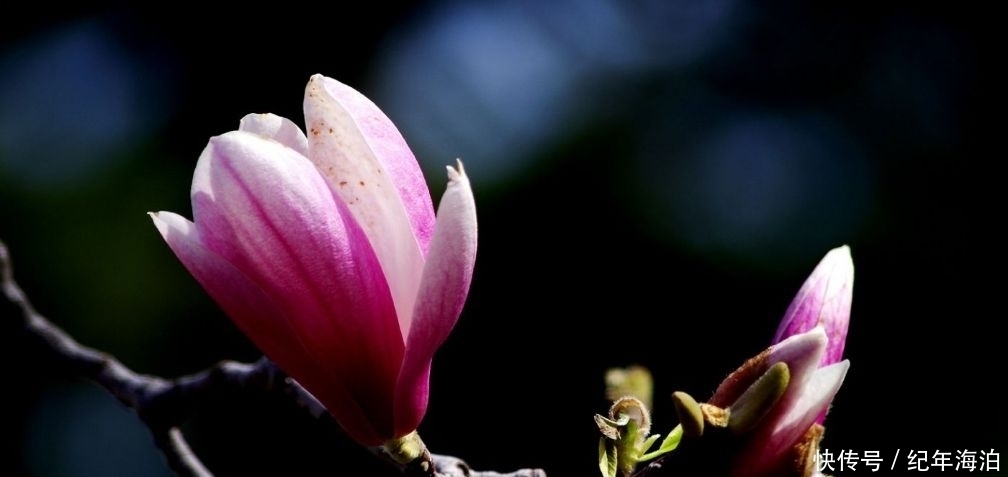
point(324, 250)
point(778, 409)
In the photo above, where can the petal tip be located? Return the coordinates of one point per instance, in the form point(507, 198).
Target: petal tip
point(840, 256)
point(844, 365)
point(316, 78)
point(804, 349)
point(456, 173)
point(156, 218)
point(838, 265)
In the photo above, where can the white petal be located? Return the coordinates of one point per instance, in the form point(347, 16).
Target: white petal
point(368, 165)
point(277, 128)
point(813, 398)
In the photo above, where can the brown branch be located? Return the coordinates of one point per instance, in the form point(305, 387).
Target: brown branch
point(162, 404)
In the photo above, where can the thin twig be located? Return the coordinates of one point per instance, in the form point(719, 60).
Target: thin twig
point(136, 391)
point(162, 404)
point(181, 458)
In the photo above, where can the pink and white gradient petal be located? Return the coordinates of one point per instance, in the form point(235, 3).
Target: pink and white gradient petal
point(366, 162)
point(443, 290)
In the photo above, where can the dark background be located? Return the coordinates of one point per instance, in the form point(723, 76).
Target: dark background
point(654, 182)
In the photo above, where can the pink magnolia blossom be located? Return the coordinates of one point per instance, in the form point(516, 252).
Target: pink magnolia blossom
point(810, 342)
point(324, 249)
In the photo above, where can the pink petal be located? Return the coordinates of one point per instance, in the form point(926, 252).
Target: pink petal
point(262, 320)
point(443, 292)
point(815, 397)
point(265, 208)
point(771, 443)
point(277, 128)
point(824, 299)
point(801, 352)
point(368, 165)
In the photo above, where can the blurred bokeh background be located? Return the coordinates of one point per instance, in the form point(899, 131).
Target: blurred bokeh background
point(655, 179)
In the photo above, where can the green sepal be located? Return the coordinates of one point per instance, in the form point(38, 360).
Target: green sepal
point(668, 445)
point(629, 453)
point(649, 443)
point(690, 415)
point(759, 399)
point(405, 449)
point(607, 462)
